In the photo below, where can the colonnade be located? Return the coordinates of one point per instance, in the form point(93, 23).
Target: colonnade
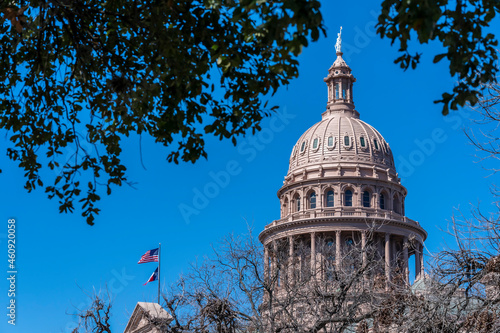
point(393, 200)
point(391, 255)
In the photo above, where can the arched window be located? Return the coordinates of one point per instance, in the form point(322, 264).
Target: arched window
point(298, 203)
point(362, 141)
point(348, 198)
point(312, 200)
point(330, 141)
point(315, 143)
point(346, 141)
point(382, 201)
point(303, 146)
point(336, 90)
point(366, 199)
point(329, 199)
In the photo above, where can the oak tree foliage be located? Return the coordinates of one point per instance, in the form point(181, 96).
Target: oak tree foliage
point(461, 27)
point(80, 76)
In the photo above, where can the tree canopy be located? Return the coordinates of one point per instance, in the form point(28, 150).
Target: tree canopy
point(89, 73)
point(86, 74)
point(461, 27)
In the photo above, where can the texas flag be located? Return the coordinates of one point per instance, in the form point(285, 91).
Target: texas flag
point(153, 277)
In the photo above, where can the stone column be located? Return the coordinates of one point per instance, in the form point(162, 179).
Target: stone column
point(313, 254)
point(365, 256)
point(387, 259)
point(266, 262)
point(406, 271)
point(337, 196)
point(363, 247)
point(422, 268)
point(418, 264)
point(321, 203)
point(274, 264)
point(348, 92)
point(291, 260)
point(360, 197)
point(338, 258)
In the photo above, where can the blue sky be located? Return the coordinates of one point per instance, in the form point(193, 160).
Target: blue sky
point(60, 258)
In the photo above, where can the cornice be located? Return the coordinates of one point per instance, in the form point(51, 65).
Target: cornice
point(312, 222)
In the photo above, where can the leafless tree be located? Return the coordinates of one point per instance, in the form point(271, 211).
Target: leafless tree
point(96, 317)
point(231, 291)
point(487, 139)
point(461, 291)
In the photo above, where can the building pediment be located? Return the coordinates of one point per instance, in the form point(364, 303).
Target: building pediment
point(146, 318)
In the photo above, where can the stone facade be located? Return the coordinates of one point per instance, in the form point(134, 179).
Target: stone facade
point(147, 318)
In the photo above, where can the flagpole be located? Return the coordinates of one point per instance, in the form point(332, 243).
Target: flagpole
point(159, 265)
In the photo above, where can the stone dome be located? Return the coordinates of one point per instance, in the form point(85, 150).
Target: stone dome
point(341, 137)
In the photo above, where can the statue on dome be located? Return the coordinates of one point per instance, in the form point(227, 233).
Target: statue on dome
point(338, 45)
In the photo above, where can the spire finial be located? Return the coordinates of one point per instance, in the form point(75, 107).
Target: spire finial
point(338, 45)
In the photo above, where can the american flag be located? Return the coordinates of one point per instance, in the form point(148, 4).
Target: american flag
point(150, 256)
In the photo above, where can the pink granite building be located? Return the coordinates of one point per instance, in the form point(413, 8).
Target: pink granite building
point(342, 189)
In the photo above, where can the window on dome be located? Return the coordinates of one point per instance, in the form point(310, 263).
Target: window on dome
point(344, 94)
point(303, 146)
point(382, 201)
point(348, 198)
point(315, 143)
point(312, 200)
point(346, 140)
point(366, 199)
point(375, 143)
point(329, 199)
point(330, 141)
point(298, 203)
point(362, 141)
point(336, 90)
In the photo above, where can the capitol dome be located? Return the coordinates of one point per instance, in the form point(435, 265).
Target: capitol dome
point(341, 138)
point(342, 189)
